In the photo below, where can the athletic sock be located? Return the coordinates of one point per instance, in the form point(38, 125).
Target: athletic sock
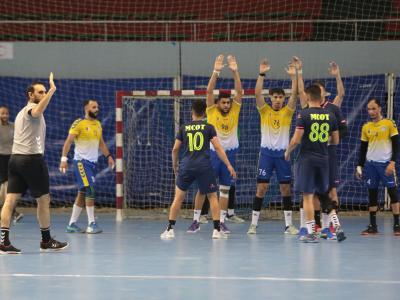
point(90, 214)
point(222, 215)
point(396, 219)
point(76, 212)
point(317, 217)
point(231, 212)
point(254, 218)
point(334, 219)
point(171, 224)
point(372, 218)
point(45, 234)
point(288, 217)
point(325, 220)
point(4, 237)
point(196, 215)
point(216, 224)
point(310, 226)
point(302, 218)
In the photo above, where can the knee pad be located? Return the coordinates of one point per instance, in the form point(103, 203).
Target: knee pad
point(90, 192)
point(393, 195)
point(224, 191)
point(373, 197)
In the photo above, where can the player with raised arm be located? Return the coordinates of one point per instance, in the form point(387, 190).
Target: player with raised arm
point(334, 107)
point(28, 169)
point(314, 126)
point(377, 160)
point(6, 143)
point(195, 138)
point(275, 126)
point(87, 134)
point(223, 114)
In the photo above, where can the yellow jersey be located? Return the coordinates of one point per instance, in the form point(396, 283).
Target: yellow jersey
point(378, 135)
point(225, 125)
point(275, 127)
point(87, 139)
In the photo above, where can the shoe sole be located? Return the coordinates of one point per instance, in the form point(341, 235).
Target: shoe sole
point(54, 250)
point(167, 238)
point(366, 234)
point(70, 231)
point(94, 232)
point(190, 231)
point(9, 252)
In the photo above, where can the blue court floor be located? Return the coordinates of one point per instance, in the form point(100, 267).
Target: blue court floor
point(129, 261)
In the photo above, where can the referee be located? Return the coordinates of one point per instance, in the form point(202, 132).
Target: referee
point(27, 168)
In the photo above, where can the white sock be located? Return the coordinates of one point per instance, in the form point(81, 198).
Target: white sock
point(222, 216)
point(196, 215)
point(76, 212)
point(302, 218)
point(325, 220)
point(254, 217)
point(334, 219)
point(231, 211)
point(310, 226)
point(288, 217)
point(90, 214)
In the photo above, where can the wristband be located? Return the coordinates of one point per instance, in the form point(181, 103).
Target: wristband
point(261, 74)
point(299, 71)
point(216, 72)
point(64, 159)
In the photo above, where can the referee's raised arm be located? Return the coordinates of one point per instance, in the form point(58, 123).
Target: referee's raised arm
point(41, 107)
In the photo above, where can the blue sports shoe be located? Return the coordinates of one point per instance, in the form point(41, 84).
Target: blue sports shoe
point(93, 228)
point(327, 234)
point(73, 228)
point(303, 233)
point(194, 227)
point(310, 238)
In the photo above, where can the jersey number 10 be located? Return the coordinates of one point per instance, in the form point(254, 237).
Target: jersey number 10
point(196, 141)
point(319, 133)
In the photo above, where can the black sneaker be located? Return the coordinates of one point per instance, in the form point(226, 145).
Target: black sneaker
point(371, 230)
point(10, 249)
point(396, 230)
point(52, 245)
point(340, 235)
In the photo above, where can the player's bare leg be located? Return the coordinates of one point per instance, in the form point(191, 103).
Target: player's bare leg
point(6, 214)
point(262, 188)
point(287, 208)
point(17, 216)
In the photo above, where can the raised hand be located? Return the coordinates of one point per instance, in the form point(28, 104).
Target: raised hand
point(219, 63)
point(51, 81)
point(298, 64)
point(334, 69)
point(232, 63)
point(291, 69)
point(264, 66)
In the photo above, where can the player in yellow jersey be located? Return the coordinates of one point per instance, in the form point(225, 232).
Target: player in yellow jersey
point(378, 154)
point(275, 127)
point(87, 134)
point(223, 114)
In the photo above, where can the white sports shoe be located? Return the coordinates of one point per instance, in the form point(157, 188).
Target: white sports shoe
point(219, 235)
point(252, 229)
point(235, 219)
point(203, 219)
point(291, 230)
point(167, 234)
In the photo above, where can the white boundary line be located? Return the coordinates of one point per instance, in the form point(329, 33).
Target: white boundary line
point(221, 278)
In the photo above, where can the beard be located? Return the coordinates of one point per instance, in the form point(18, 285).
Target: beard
point(36, 100)
point(93, 115)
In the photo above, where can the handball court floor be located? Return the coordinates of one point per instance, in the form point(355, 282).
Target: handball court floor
point(129, 261)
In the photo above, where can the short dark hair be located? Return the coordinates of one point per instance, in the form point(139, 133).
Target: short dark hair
point(4, 106)
point(199, 107)
point(376, 100)
point(314, 91)
point(278, 91)
point(86, 102)
point(223, 95)
point(319, 83)
point(31, 87)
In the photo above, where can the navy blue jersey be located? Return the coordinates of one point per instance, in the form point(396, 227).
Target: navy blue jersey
point(341, 121)
point(318, 123)
point(195, 137)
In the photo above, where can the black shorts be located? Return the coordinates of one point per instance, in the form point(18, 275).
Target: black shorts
point(28, 172)
point(311, 175)
point(333, 167)
point(4, 167)
point(205, 178)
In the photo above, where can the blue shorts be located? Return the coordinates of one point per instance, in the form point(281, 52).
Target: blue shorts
point(220, 169)
point(333, 167)
point(311, 175)
point(85, 172)
point(374, 172)
point(267, 164)
point(204, 177)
